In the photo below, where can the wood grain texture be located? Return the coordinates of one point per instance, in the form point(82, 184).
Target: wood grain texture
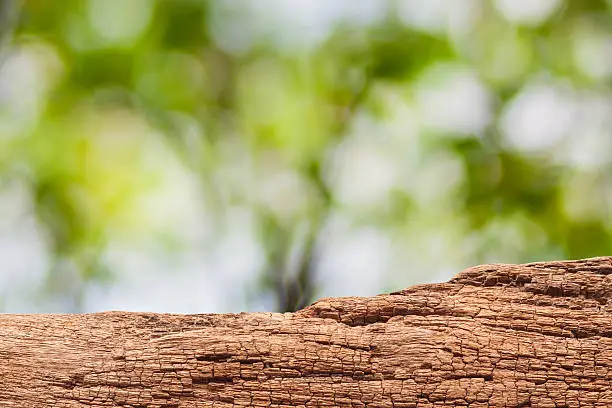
point(534, 335)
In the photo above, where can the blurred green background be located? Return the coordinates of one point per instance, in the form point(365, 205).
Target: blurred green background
point(242, 155)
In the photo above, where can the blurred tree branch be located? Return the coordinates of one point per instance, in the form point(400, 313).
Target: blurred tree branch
point(295, 289)
point(9, 18)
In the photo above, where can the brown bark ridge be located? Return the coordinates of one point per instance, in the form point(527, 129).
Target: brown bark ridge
point(533, 335)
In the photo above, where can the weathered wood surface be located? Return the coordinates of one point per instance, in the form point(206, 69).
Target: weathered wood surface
point(535, 335)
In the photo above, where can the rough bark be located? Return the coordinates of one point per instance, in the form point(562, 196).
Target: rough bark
point(534, 335)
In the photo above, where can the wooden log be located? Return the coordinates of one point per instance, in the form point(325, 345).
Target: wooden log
point(533, 335)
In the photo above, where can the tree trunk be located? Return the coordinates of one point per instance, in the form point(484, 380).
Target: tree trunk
point(534, 335)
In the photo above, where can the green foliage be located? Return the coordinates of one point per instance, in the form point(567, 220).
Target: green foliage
point(109, 114)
